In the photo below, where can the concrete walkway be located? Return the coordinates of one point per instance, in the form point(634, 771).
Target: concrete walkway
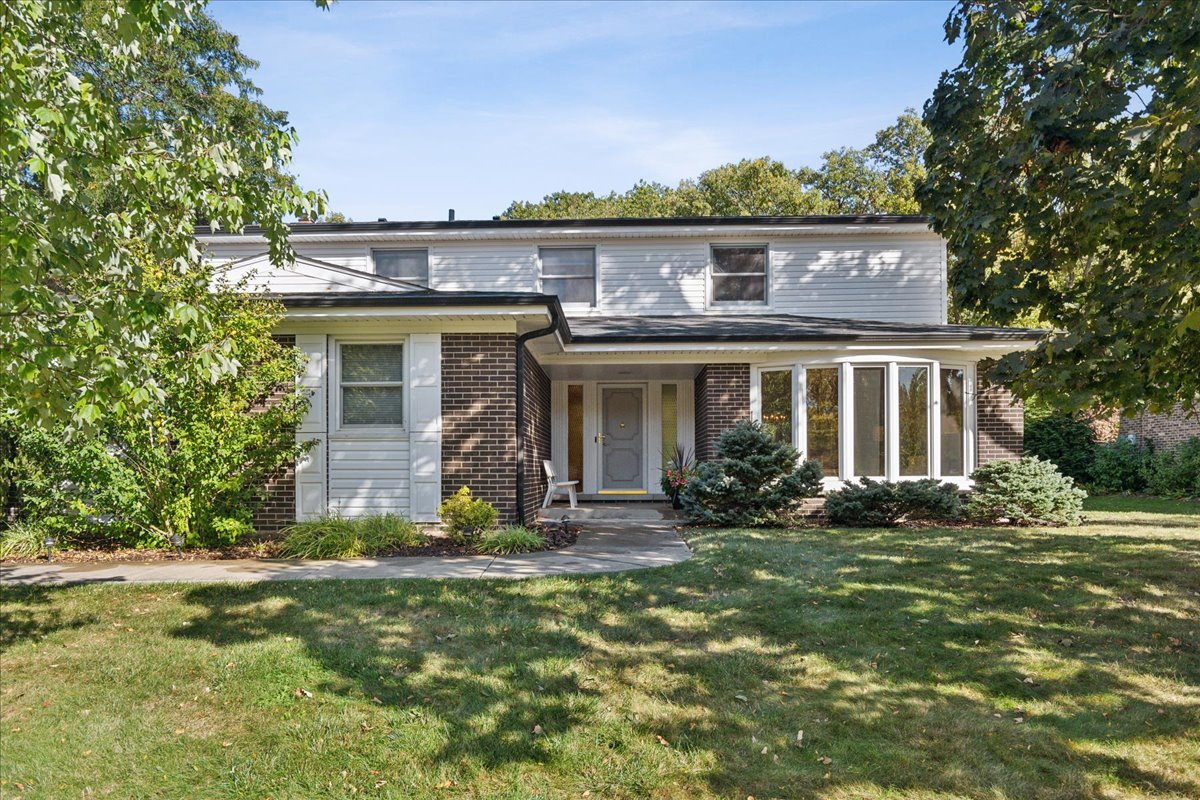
point(602, 547)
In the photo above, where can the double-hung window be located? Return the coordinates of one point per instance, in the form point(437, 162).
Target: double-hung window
point(410, 265)
point(739, 274)
point(570, 273)
point(372, 385)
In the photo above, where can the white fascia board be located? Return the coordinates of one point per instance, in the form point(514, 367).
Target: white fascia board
point(385, 312)
point(585, 232)
point(985, 349)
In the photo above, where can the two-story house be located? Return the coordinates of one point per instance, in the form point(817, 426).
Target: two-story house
point(444, 354)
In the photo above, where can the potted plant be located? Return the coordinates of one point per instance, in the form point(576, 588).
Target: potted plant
point(680, 470)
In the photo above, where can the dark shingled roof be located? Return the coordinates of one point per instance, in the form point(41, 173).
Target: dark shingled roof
point(605, 222)
point(774, 328)
point(675, 329)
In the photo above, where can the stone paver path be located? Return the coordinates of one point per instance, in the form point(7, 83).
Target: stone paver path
point(602, 547)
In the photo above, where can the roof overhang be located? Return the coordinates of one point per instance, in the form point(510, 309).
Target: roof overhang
point(647, 228)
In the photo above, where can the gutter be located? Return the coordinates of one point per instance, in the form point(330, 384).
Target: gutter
point(555, 319)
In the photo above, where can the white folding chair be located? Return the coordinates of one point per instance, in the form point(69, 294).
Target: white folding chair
point(555, 486)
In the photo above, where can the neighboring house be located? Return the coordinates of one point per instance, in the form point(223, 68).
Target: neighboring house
point(1164, 430)
point(444, 354)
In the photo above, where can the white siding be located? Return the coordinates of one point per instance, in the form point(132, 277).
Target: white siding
point(368, 475)
point(492, 267)
point(353, 256)
point(885, 276)
point(896, 279)
point(303, 276)
point(652, 278)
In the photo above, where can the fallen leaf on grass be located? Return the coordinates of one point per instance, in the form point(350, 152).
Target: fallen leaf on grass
point(661, 740)
point(537, 730)
point(741, 697)
point(799, 738)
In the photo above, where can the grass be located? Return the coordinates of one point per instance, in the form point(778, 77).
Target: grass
point(994, 663)
point(334, 536)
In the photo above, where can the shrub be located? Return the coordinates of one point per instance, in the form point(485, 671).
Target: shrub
point(335, 536)
point(22, 539)
point(510, 539)
point(461, 512)
point(1175, 472)
point(1119, 467)
point(1027, 492)
point(1064, 440)
point(879, 504)
point(754, 480)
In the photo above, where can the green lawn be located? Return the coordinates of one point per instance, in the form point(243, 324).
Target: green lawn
point(919, 664)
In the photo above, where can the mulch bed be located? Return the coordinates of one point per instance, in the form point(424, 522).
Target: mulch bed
point(554, 539)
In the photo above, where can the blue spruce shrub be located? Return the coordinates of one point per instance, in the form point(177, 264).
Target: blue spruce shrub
point(754, 480)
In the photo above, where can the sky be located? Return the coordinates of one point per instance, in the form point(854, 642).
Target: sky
point(405, 110)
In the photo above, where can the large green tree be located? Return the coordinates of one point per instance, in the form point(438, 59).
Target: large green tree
point(1065, 174)
point(121, 125)
point(877, 179)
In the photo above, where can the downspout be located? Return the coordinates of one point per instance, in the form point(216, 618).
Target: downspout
point(520, 383)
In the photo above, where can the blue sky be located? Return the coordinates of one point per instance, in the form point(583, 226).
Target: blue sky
point(407, 109)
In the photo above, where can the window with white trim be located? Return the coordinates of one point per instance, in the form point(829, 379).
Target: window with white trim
point(372, 385)
point(739, 274)
point(410, 264)
point(570, 273)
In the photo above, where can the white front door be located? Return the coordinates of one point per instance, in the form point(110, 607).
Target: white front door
point(622, 439)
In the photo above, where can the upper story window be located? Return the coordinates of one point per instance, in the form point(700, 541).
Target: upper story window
point(372, 385)
point(570, 273)
point(410, 265)
point(739, 274)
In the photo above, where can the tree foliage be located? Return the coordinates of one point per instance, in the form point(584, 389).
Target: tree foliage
point(121, 125)
point(879, 178)
point(192, 461)
point(1065, 174)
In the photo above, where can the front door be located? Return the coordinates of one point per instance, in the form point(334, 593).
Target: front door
point(621, 439)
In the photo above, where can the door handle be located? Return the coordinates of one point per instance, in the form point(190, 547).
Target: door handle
point(600, 437)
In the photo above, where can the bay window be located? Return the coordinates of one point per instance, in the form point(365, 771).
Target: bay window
point(952, 413)
point(822, 422)
point(913, 387)
point(872, 416)
point(870, 421)
point(777, 404)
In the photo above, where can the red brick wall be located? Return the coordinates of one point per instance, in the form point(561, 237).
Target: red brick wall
point(479, 411)
point(537, 434)
point(1001, 424)
point(1164, 430)
point(275, 502)
point(722, 400)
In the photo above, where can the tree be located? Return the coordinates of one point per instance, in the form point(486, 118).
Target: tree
point(122, 126)
point(877, 179)
point(880, 178)
point(1065, 175)
point(191, 462)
